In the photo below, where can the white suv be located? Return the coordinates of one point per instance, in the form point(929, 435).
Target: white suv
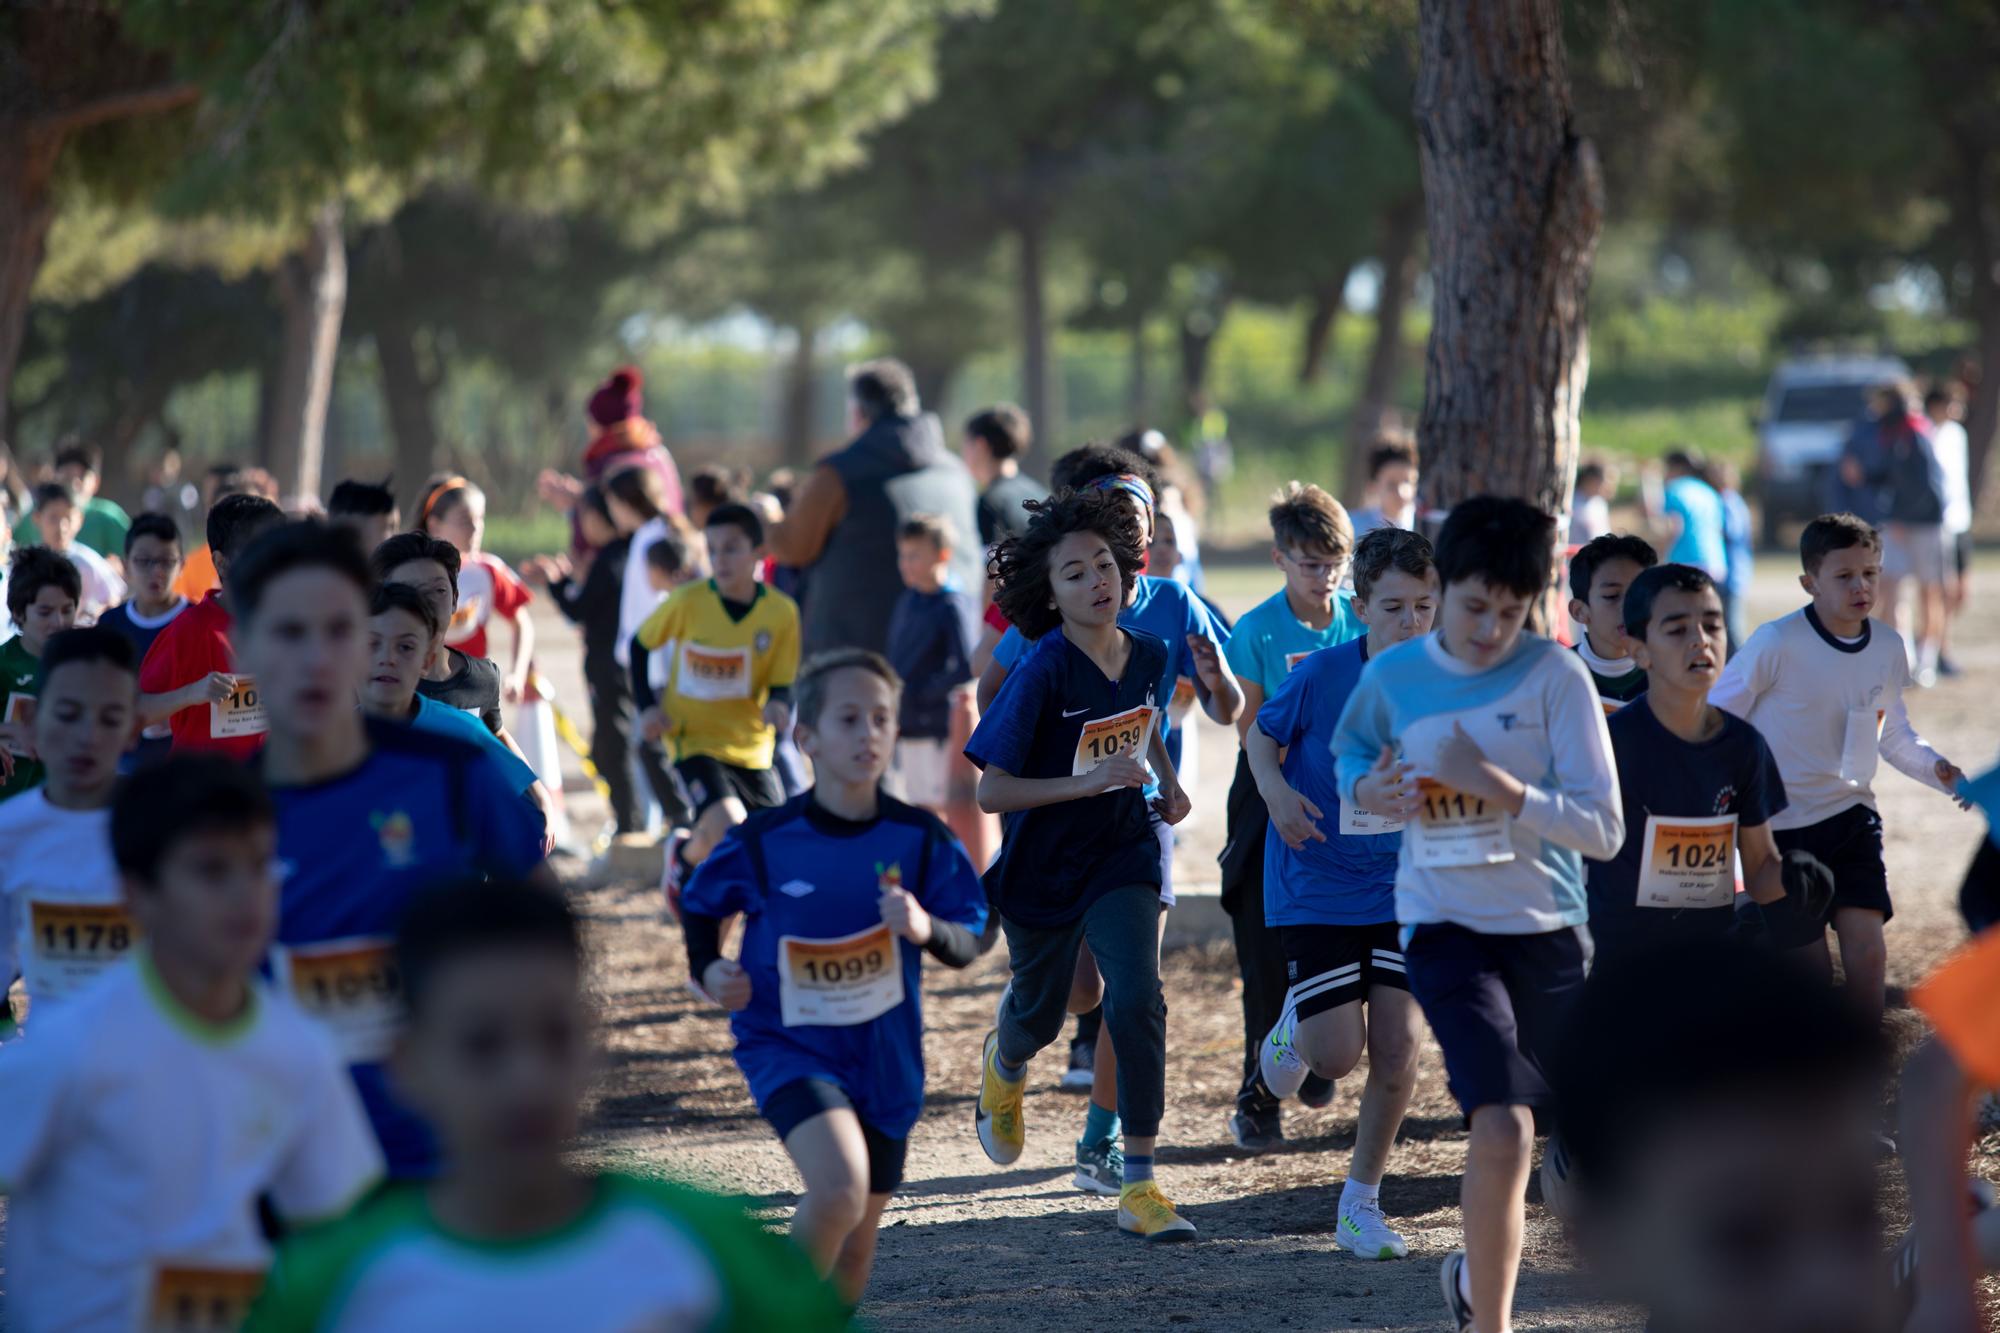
point(1810, 408)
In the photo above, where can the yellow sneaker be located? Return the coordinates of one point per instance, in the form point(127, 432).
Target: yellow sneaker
point(998, 1116)
point(1146, 1213)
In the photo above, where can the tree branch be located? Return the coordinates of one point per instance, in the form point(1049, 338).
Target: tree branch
point(119, 106)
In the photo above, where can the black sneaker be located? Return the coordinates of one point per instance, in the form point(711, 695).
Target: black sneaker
point(1256, 1131)
point(1082, 1069)
point(1460, 1308)
point(1316, 1092)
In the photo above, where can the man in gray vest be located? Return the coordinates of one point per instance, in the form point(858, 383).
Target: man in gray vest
point(841, 527)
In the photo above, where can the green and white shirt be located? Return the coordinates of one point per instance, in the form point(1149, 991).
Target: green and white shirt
point(19, 669)
point(643, 1255)
point(137, 1139)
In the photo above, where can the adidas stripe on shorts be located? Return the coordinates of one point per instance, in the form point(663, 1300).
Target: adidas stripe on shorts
point(1328, 966)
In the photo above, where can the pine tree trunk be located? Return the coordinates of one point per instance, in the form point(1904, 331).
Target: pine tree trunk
point(1979, 176)
point(1326, 301)
point(795, 423)
point(1401, 227)
point(406, 400)
point(1198, 330)
point(1515, 201)
point(312, 288)
point(27, 207)
point(1037, 385)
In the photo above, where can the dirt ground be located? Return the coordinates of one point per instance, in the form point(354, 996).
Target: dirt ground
point(972, 1246)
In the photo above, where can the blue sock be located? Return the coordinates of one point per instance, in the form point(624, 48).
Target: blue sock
point(1012, 1073)
point(1099, 1126)
point(1138, 1169)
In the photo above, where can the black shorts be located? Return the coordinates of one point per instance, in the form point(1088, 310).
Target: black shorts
point(797, 1102)
point(1328, 966)
point(1850, 843)
point(705, 780)
point(1497, 1005)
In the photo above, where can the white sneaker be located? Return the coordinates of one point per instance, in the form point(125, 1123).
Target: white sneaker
point(1365, 1233)
point(1276, 1059)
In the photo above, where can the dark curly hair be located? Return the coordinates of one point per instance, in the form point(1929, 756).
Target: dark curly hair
point(1019, 567)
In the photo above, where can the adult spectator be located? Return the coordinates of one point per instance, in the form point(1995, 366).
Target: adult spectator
point(621, 437)
point(841, 528)
point(80, 466)
point(1691, 516)
point(995, 439)
point(1944, 406)
point(1913, 538)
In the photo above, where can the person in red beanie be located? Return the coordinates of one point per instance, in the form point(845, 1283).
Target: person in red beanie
point(621, 437)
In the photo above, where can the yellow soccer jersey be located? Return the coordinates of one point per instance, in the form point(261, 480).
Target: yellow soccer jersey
point(721, 671)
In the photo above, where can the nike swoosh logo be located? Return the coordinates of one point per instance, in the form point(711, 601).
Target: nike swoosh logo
point(1075, 712)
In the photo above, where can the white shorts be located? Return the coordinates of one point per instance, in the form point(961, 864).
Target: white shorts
point(922, 774)
point(1919, 551)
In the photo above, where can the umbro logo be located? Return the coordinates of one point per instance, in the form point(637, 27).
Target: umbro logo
point(795, 888)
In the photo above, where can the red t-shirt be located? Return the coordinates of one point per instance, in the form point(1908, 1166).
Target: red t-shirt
point(195, 643)
point(486, 588)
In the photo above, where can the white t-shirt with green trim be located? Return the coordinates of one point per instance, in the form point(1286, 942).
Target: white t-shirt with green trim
point(135, 1141)
point(642, 1255)
point(60, 896)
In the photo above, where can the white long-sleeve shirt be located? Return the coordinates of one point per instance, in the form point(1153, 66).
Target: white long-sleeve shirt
point(1536, 715)
point(1817, 698)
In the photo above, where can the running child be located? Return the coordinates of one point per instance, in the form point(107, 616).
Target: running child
point(188, 677)
point(728, 690)
point(402, 632)
point(1824, 687)
point(1490, 744)
point(152, 563)
point(368, 812)
point(367, 509)
point(1060, 751)
point(842, 889)
point(1329, 887)
point(58, 885)
point(1391, 498)
point(930, 649)
point(149, 1116)
point(1725, 1165)
point(1599, 574)
point(57, 519)
point(470, 684)
point(497, 1053)
point(42, 593)
point(1700, 789)
point(454, 510)
point(1311, 540)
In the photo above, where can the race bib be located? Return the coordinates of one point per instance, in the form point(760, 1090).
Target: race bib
point(72, 943)
point(1183, 701)
point(1688, 861)
point(20, 713)
point(351, 986)
point(1454, 829)
point(838, 983)
point(1358, 823)
point(713, 673)
point(1292, 660)
point(1861, 746)
point(190, 1299)
point(1128, 732)
point(241, 714)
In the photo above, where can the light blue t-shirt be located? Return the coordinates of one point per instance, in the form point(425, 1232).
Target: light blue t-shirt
point(1700, 544)
point(444, 720)
point(1166, 610)
point(1269, 640)
point(1350, 879)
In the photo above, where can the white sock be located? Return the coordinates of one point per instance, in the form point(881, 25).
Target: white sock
point(1354, 1192)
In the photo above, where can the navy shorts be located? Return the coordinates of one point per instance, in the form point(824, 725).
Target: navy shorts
point(1850, 843)
point(801, 1100)
point(1497, 1005)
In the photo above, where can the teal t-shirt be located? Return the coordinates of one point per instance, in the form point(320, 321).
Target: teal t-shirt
point(1269, 640)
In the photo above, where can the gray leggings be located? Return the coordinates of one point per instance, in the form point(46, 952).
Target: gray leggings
point(1122, 928)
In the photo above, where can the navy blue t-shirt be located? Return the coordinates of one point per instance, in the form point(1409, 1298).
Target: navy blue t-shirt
point(352, 851)
point(802, 873)
point(1054, 717)
point(154, 741)
point(930, 645)
point(1663, 778)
